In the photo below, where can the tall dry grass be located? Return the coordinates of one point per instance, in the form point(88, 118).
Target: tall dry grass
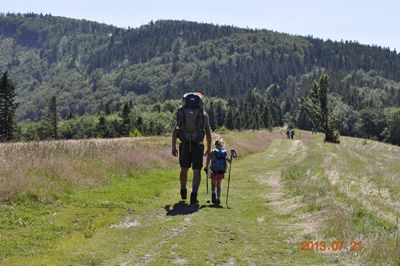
point(47, 167)
point(248, 142)
point(44, 169)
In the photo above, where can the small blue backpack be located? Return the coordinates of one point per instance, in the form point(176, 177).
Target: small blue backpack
point(218, 161)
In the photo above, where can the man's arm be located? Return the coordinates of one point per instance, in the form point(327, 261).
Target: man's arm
point(208, 135)
point(174, 137)
point(208, 160)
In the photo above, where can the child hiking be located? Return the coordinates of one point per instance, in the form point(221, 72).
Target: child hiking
point(219, 158)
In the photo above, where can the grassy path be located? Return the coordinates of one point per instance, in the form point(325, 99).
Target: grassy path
point(251, 232)
point(279, 197)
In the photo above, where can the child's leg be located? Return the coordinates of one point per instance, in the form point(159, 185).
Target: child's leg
point(213, 195)
point(219, 188)
point(213, 185)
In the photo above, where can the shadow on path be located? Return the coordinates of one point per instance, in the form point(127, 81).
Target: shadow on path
point(211, 206)
point(180, 208)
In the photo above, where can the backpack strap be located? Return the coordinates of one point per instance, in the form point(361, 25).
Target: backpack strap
point(180, 116)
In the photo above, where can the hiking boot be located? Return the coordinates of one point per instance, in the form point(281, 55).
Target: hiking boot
point(193, 199)
point(218, 202)
point(183, 193)
point(214, 198)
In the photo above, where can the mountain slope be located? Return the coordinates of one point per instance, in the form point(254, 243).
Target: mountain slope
point(87, 64)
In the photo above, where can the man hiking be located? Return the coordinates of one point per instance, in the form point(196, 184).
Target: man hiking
point(192, 124)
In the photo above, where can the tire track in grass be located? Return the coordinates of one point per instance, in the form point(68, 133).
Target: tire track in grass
point(302, 223)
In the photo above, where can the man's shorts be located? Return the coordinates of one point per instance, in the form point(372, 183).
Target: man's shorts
point(191, 155)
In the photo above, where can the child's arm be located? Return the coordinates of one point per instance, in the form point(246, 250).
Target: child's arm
point(228, 158)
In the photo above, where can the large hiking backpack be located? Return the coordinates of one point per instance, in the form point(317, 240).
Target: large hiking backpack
point(218, 161)
point(190, 118)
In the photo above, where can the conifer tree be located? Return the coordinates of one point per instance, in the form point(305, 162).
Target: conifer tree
point(102, 128)
point(125, 120)
point(238, 121)
point(70, 115)
point(269, 125)
point(211, 116)
point(53, 116)
point(7, 108)
point(266, 114)
point(229, 119)
point(107, 109)
point(219, 115)
point(316, 105)
point(139, 125)
point(48, 128)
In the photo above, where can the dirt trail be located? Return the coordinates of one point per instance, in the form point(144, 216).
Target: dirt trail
point(294, 147)
point(277, 199)
point(304, 224)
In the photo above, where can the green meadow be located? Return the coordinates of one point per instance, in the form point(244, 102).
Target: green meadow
point(116, 202)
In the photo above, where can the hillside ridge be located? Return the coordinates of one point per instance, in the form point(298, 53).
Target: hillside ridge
point(88, 64)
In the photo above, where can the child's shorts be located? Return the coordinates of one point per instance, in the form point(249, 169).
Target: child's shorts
point(215, 176)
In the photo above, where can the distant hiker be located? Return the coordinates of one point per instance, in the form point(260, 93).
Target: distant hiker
point(219, 158)
point(192, 124)
point(292, 133)
point(288, 133)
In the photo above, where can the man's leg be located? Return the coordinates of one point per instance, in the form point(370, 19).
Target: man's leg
point(195, 186)
point(183, 177)
point(196, 180)
point(197, 163)
point(184, 162)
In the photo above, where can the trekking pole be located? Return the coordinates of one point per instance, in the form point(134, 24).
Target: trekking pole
point(207, 177)
point(233, 155)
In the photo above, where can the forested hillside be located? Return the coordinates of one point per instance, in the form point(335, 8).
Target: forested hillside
point(96, 69)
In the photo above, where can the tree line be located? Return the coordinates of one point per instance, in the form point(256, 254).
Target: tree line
point(252, 112)
point(318, 109)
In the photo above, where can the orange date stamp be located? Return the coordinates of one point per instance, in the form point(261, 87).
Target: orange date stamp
point(352, 246)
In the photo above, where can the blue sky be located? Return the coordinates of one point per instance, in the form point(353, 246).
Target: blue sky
point(370, 22)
